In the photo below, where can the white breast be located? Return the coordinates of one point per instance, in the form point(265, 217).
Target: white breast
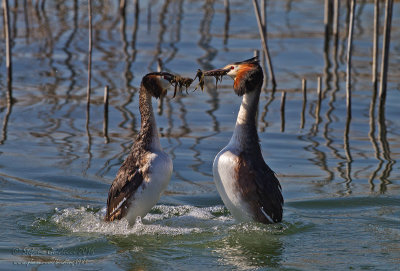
point(225, 178)
point(147, 195)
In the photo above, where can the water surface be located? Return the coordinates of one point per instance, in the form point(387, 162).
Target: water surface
point(341, 187)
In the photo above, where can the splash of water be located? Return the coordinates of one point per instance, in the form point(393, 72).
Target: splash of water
point(163, 219)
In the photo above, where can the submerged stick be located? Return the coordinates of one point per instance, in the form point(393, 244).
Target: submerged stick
point(349, 52)
point(105, 123)
point(8, 50)
point(283, 101)
point(375, 45)
point(303, 109)
point(264, 43)
point(385, 49)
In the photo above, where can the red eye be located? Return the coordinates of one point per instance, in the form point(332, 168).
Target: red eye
point(232, 67)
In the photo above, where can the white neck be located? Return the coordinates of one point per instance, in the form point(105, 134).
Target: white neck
point(245, 132)
point(155, 141)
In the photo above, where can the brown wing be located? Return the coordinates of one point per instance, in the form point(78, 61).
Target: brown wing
point(124, 186)
point(260, 188)
point(270, 193)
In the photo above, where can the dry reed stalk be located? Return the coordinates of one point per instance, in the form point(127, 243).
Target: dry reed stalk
point(336, 13)
point(90, 55)
point(385, 49)
point(8, 50)
point(349, 53)
point(375, 45)
point(264, 43)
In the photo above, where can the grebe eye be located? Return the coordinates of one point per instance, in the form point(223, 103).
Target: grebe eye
point(232, 67)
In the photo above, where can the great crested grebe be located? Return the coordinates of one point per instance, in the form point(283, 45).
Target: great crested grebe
point(146, 171)
point(247, 186)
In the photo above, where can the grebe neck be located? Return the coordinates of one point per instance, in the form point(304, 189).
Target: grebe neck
point(148, 134)
point(245, 135)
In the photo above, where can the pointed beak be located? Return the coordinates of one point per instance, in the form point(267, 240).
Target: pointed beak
point(216, 72)
point(167, 76)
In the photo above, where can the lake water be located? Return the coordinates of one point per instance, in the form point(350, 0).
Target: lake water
point(341, 188)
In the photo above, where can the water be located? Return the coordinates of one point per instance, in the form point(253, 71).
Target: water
point(341, 194)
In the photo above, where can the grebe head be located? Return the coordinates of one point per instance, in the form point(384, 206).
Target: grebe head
point(247, 75)
point(157, 83)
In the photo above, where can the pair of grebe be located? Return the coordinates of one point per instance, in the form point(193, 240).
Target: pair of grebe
point(247, 186)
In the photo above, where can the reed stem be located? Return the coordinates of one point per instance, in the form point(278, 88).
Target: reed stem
point(89, 56)
point(6, 15)
point(349, 53)
point(375, 45)
point(385, 49)
point(336, 13)
point(264, 16)
point(264, 43)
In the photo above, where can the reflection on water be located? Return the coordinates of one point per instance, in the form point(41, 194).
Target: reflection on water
point(249, 248)
point(54, 155)
point(5, 123)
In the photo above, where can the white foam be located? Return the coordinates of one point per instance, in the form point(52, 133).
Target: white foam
point(163, 219)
